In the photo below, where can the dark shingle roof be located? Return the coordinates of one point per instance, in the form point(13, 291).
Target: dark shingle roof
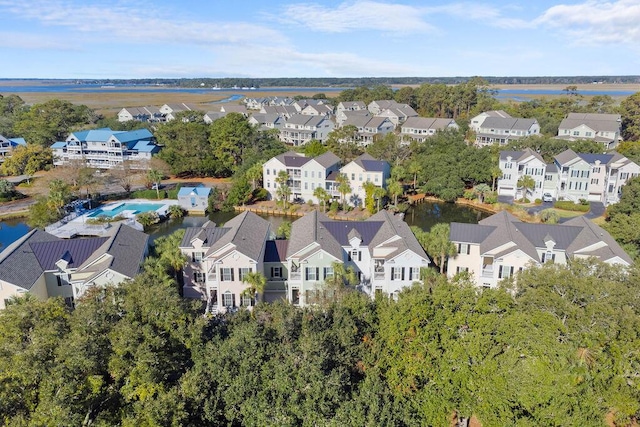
point(470, 233)
point(276, 251)
point(18, 263)
point(341, 230)
point(75, 251)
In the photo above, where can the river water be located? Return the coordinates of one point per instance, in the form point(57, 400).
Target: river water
point(424, 215)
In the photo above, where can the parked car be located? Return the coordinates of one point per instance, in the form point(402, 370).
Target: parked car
point(547, 197)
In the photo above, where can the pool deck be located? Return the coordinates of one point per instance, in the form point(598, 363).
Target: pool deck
point(75, 225)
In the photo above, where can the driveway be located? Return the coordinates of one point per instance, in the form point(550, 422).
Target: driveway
point(597, 210)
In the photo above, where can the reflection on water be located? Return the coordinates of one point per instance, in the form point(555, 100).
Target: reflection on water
point(10, 231)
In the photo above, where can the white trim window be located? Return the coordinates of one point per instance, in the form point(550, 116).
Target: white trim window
point(328, 272)
point(505, 271)
point(243, 271)
point(226, 274)
point(228, 299)
point(197, 256)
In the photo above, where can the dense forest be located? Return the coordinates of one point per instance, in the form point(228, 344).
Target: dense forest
point(558, 349)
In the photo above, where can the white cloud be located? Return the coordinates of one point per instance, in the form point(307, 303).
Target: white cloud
point(27, 41)
point(596, 22)
point(359, 15)
point(145, 26)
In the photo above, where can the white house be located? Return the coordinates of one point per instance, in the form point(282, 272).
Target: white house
point(194, 200)
point(500, 246)
point(106, 149)
point(218, 259)
point(369, 128)
point(362, 169)
point(7, 145)
point(517, 164)
point(476, 122)
point(300, 129)
point(420, 128)
point(398, 114)
point(499, 130)
point(140, 114)
point(602, 128)
point(351, 106)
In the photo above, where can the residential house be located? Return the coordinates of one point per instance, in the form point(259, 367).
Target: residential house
point(234, 108)
point(343, 116)
point(300, 129)
point(7, 145)
point(376, 107)
point(211, 116)
point(140, 114)
point(399, 114)
point(601, 128)
point(169, 111)
point(499, 130)
point(351, 106)
point(476, 122)
point(517, 164)
point(284, 111)
point(500, 246)
point(593, 177)
point(105, 148)
point(369, 128)
point(218, 258)
point(46, 266)
point(301, 104)
point(420, 128)
point(362, 169)
point(382, 251)
point(305, 174)
point(317, 110)
point(275, 270)
point(194, 200)
point(266, 121)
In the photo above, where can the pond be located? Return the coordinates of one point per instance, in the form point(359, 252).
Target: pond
point(424, 215)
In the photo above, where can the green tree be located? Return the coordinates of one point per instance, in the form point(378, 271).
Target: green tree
point(40, 214)
point(344, 188)
point(51, 121)
point(175, 211)
point(230, 136)
point(379, 193)
point(59, 196)
point(6, 188)
point(314, 148)
point(395, 189)
point(369, 198)
point(155, 176)
point(630, 111)
point(482, 190)
point(323, 196)
point(254, 174)
point(27, 160)
point(439, 246)
point(283, 191)
point(527, 184)
point(256, 282)
point(284, 230)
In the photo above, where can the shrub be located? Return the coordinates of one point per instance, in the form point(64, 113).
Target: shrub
point(260, 194)
point(469, 194)
point(173, 193)
point(334, 207)
point(149, 194)
point(491, 198)
point(538, 201)
point(584, 202)
point(175, 211)
point(524, 200)
point(148, 218)
point(568, 205)
point(549, 216)
point(309, 202)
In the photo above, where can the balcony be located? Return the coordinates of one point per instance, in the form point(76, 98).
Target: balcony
point(487, 272)
point(295, 275)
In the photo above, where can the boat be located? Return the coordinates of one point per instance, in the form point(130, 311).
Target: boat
point(245, 87)
point(235, 87)
point(216, 87)
point(108, 86)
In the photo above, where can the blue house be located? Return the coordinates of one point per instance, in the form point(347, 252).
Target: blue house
point(194, 199)
point(7, 145)
point(105, 148)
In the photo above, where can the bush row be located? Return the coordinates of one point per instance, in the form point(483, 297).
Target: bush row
point(568, 205)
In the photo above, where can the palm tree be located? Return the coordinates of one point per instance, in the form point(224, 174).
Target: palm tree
point(323, 196)
point(482, 190)
point(527, 183)
point(283, 191)
point(496, 173)
point(256, 282)
point(341, 279)
point(344, 188)
point(175, 211)
point(413, 168)
point(439, 246)
point(379, 194)
point(254, 173)
point(155, 176)
point(395, 189)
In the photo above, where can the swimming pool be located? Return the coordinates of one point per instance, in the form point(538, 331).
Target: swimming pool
point(116, 209)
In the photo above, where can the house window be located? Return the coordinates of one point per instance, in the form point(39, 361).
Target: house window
point(274, 172)
point(313, 174)
point(197, 256)
point(587, 133)
point(576, 133)
point(461, 269)
point(397, 273)
point(376, 178)
point(505, 271)
point(228, 299)
point(596, 170)
point(267, 171)
point(548, 256)
point(306, 174)
point(242, 272)
point(276, 272)
point(226, 274)
point(353, 177)
point(268, 184)
point(311, 273)
point(548, 177)
point(585, 174)
point(295, 296)
point(198, 277)
point(624, 175)
point(246, 300)
point(464, 248)
point(414, 273)
point(328, 272)
point(306, 185)
point(594, 181)
point(506, 176)
point(508, 165)
point(360, 177)
point(355, 255)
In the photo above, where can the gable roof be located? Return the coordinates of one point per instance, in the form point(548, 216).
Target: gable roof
point(292, 159)
point(370, 164)
point(276, 251)
point(244, 231)
point(200, 190)
point(327, 159)
point(519, 156)
point(597, 122)
point(510, 123)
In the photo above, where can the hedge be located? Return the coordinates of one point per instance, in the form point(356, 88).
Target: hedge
point(568, 205)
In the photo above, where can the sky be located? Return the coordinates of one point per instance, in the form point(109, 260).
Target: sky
point(95, 39)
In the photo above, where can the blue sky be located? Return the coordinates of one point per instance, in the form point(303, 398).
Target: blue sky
point(247, 38)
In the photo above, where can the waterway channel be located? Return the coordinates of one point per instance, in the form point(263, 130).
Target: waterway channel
point(424, 215)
